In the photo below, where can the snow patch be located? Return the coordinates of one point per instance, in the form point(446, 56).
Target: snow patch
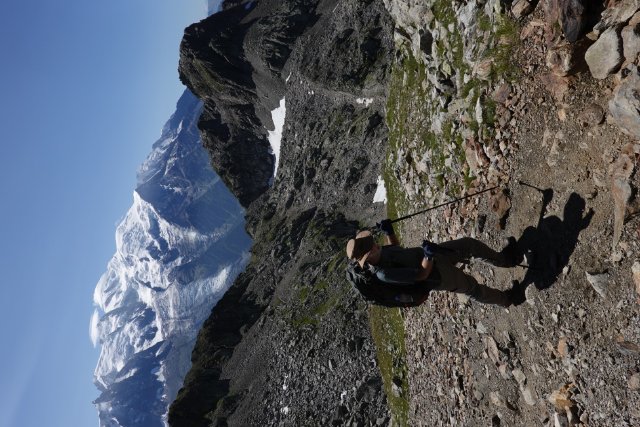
point(275, 136)
point(364, 101)
point(381, 192)
point(94, 331)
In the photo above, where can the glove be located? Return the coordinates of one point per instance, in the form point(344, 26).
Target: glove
point(385, 226)
point(428, 249)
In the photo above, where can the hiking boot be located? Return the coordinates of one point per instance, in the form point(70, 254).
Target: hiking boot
point(517, 294)
point(511, 253)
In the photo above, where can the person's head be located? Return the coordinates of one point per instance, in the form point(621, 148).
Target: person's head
point(361, 248)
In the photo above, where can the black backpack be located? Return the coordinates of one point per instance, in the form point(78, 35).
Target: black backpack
point(384, 294)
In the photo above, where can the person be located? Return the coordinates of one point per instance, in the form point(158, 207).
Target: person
point(434, 265)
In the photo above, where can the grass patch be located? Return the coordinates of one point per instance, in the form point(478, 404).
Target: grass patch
point(387, 329)
point(506, 42)
point(426, 144)
point(419, 126)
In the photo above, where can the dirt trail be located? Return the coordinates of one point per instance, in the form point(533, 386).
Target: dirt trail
point(471, 364)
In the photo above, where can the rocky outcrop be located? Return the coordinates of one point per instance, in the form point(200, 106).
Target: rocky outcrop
point(233, 60)
point(289, 342)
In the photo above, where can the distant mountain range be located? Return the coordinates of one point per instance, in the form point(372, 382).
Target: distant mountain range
point(179, 248)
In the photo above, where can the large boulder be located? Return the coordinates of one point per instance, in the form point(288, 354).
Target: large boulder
point(618, 14)
point(631, 39)
point(605, 55)
point(574, 17)
point(625, 105)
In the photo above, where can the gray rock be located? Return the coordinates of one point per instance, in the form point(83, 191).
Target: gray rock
point(561, 59)
point(396, 390)
point(481, 328)
point(497, 399)
point(521, 8)
point(618, 14)
point(631, 42)
point(529, 396)
point(620, 172)
point(625, 105)
point(530, 294)
point(634, 382)
point(521, 379)
point(501, 93)
point(599, 283)
point(605, 55)
point(560, 420)
point(635, 270)
point(573, 17)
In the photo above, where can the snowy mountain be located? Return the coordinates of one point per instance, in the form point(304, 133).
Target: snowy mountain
point(179, 248)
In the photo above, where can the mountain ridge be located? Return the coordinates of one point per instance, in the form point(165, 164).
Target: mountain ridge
point(531, 97)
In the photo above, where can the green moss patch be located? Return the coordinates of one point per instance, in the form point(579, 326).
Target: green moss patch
point(387, 329)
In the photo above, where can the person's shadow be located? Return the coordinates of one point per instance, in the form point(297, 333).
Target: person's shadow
point(548, 246)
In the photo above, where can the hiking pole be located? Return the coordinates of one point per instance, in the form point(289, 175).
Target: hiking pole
point(443, 204)
point(530, 186)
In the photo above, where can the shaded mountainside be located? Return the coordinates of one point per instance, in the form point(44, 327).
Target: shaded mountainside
point(441, 98)
point(290, 341)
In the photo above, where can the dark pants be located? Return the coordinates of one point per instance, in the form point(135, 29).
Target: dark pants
point(455, 280)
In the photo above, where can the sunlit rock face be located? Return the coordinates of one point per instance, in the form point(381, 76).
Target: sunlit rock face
point(178, 249)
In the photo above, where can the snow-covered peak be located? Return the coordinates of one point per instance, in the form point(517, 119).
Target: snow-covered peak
point(178, 249)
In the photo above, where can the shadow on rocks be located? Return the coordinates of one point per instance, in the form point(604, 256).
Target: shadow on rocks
point(549, 245)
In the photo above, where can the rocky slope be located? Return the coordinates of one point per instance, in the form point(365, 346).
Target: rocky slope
point(441, 98)
point(290, 342)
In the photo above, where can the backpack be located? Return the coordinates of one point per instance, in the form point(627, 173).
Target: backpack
point(377, 292)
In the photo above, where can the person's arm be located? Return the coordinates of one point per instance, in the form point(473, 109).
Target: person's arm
point(427, 262)
point(392, 240)
point(386, 227)
point(425, 270)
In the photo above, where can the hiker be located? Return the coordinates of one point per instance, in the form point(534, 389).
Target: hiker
point(435, 265)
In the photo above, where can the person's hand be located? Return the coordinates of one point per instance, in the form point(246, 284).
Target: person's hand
point(428, 249)
point(385, 226)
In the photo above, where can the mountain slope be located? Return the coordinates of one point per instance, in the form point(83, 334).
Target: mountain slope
point(290, 342)
point(178, 249)
point(442, 99)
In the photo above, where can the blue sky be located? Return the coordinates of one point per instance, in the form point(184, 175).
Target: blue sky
point(86, 87)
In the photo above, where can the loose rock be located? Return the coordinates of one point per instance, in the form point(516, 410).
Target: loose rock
point(599, 283)
point(635, 269)
point(604, 56)
point(563, 348)
point(634, 382)
point(592, 115)
point(561, 59)
point(625, 105)
point(630, 42)
point(621, 171)
point(529, 396)
point(521, 8)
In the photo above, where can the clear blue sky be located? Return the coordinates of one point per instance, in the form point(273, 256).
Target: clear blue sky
point(85, 88)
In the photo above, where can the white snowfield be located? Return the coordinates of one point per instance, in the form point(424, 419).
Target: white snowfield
point(137, 280)
point(381, 192)
point(275, 136)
